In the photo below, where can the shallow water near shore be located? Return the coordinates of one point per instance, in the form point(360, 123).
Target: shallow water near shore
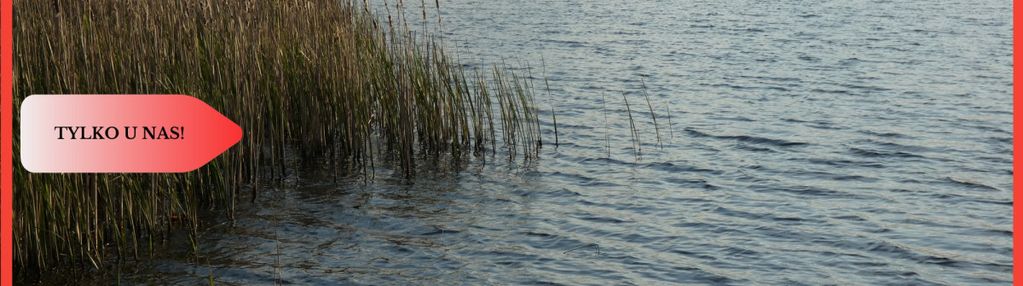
point(840, 142)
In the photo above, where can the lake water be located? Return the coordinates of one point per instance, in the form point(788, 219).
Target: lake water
point(811, 142)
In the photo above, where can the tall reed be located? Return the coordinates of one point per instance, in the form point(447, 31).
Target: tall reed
point(324, 77)
point(657, 128)
point(637, 144)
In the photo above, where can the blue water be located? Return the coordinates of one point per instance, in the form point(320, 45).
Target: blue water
point(811, 142)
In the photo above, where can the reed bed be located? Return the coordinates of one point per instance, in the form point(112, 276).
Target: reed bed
point(323, 77)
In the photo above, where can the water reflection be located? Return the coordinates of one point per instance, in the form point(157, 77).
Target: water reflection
point(845, 142)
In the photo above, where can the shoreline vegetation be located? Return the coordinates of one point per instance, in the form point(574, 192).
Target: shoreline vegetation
point(324, 77)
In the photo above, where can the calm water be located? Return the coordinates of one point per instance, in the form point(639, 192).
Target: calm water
point(811, 142)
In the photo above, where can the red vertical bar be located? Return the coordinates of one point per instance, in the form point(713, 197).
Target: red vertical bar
point(1017, 166)
point(6, 106)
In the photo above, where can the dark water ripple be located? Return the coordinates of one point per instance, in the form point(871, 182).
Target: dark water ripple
point(826, 142)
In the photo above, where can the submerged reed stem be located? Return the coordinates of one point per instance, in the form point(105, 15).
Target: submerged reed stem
point(636, 143)
point(671, 129)
point(653, 115)
point(607, 136)
point(550, 100)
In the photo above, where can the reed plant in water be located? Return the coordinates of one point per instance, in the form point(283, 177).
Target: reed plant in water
point(554, 112)
point(325, 78)
point(637, 145)
point(653, 115)
point(607, 135)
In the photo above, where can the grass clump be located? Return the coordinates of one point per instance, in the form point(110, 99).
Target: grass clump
point(323, 77)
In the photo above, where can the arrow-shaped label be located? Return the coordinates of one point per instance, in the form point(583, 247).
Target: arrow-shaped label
point(121, 133)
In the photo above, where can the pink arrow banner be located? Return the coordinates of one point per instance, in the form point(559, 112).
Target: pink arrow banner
point(121, 133)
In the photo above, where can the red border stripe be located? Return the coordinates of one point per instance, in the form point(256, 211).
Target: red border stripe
point(6, 178)
point(1017, 196)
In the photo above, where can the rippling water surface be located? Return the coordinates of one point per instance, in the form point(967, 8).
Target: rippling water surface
point(811, 142)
